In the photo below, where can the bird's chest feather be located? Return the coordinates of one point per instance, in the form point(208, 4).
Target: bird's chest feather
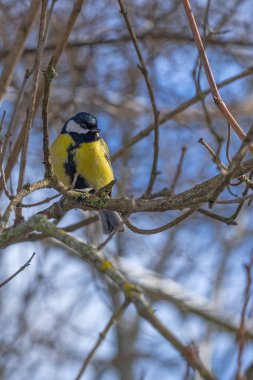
point(92, 164)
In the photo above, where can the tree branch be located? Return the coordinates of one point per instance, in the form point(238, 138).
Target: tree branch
point(114, 319)
point(49, 74)
point(160, 288)
point(18, 271)
point(156, 113)
point(133, 293)
point(209, 75)
point(165, 116)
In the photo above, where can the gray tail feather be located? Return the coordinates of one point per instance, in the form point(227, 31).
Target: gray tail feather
point(111, 221)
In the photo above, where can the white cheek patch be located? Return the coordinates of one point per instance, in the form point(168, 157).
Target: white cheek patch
point(73, 127)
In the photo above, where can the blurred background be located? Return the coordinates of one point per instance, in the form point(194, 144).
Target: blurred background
point(52, 313)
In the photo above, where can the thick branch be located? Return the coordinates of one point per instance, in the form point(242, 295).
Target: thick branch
point(160, 288)
point(132, 293)
point(192, 197)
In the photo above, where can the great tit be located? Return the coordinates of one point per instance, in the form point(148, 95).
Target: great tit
point(81, 160)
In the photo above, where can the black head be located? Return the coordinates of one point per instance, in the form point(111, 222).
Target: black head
point(82, 123)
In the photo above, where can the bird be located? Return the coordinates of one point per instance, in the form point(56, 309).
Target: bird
point(81, 160)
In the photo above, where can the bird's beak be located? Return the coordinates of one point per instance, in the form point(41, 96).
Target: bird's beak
point(95, 130)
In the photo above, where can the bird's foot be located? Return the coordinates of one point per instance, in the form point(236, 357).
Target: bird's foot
point(106, 190)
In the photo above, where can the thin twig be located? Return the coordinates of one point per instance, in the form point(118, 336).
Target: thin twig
point(204, 106)
point(209, 75)
point(245, 192)
point(165, 227)
point(26, 190)
point(49, 16)
point(113, 320)
point(211, 152)
point(83, 223)
point(46, 200)
point(241, 333)
point(206, 15)
point(234, 164)
point(2, 121)
point(197, 72)
point(228, 144)
point(66, 30)
point(49, 74)
point(106, 241)
point(109, 238)
point(236, 200)
point(142, 67)
point(6, 191)
point(14, 114)
point(18, 271)
point(227, 220)
point(178, 171)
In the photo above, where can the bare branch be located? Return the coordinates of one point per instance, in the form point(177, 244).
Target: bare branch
point(209, 75)
point(241, 333)
point(13, 118)
point(1, 159)
point(167, 226)
point(46, 200)
point(49, 74)
point(18, 271)
point(160, 288)
point(26, 190)
point(83, 223)
point(144, 71)
point(131, 292)
point(213, 155)
point(234, 164)
point(164, 117)
point(113, 320)
point(227, 220)
point(194, 196)
point(178, 170)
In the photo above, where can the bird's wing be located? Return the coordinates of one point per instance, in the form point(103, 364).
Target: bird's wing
point(59, 157)
point(106, 151)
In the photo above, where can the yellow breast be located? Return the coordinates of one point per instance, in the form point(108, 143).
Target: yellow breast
point(91, 162)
